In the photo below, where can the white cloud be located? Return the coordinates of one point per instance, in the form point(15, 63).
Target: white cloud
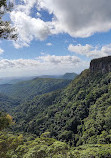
point(49, 44)
point(1, 51)
point(28, 28)
point(59, 59)
point(42, 65)
point(79, 49)
point(25, 6)
point(78, 18)
point(90, 51)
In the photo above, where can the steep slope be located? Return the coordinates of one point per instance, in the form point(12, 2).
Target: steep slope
point(29, 89)
point(7, 104)
point(79, 114)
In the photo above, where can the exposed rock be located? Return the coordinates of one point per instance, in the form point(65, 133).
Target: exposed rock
point(102, 65)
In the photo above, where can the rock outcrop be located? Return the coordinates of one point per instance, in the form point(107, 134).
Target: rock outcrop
point(102, 65)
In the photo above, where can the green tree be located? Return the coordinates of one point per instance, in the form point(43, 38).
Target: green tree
point(5, 120)
point(6, 30)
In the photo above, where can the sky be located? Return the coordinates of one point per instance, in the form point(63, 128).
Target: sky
point(56, 37)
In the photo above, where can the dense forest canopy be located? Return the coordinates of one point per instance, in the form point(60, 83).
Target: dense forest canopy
point(73, 122)
point(79, 114)
point(26, 90)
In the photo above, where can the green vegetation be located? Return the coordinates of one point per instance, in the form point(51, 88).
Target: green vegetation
point(26, 90)
point(51, 122)
point(6, 31)
point(7, 104)
point(19, 146)
point(74, 122)
point(69, 76)
point(79, 114)
point(5, 120)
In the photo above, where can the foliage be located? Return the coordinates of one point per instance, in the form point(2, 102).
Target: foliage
point(19, 146)
point(26, 90)
point(9, 143)
point(92, 151)
point(74, 122)
point(7, 104)
point(69, 76)
point(79, 114)
point(6, 31)
point(5, 120)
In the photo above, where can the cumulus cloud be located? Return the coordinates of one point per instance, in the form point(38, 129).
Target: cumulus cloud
point(28, 28)
point(25, 6)
point(90, 51)
point(49, 64)
point(59, 59)
point(78, 18)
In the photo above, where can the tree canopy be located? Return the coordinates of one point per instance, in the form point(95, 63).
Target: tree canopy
point(6, 30)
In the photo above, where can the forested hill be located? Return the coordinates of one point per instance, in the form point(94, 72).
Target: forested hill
point(79, 114)
point(7, 103)
point(28, 89)
point(14, 80)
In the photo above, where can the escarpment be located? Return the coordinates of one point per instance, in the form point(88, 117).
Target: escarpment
point(102, 65)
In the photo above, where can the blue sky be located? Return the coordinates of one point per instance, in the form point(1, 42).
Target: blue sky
point(56, 37)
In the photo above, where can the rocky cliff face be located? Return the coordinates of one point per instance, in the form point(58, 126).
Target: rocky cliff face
point(102, 65)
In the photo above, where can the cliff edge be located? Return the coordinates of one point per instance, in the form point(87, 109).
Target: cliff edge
point(102, 65)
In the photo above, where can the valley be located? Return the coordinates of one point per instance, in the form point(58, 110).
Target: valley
point(55, 79)
point(61, 116)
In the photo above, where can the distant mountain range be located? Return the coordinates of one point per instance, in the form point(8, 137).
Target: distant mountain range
point(77, 112)
point(66, 76)
point(28, 89)
point(14, 80)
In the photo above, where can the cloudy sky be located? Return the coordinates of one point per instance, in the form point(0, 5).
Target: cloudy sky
point(56, 36)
